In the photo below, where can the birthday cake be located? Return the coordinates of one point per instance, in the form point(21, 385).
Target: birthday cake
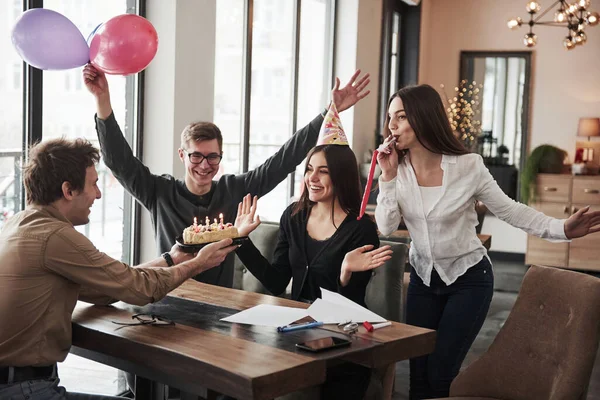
point(199, 234)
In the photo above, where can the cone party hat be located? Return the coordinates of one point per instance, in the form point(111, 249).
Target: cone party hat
point(331, 131)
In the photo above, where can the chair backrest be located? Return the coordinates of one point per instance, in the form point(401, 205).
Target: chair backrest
point(384, 291)
point(547, 346)
point(265, 239)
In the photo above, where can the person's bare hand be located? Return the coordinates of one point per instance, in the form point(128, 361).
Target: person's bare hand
point(180, 256)
point(582, 223)
point(214, 254)
point(363, 258)
point(95, 81)
point(388, 161)
point(247, 220)
point(352, 93)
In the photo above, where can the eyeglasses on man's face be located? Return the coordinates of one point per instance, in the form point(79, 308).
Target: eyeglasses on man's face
point(197, 158)
point(146, 319)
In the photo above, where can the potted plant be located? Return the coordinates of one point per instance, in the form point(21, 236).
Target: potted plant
point(544, 159)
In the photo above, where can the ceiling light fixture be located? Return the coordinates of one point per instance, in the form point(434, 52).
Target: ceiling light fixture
point(574, 16)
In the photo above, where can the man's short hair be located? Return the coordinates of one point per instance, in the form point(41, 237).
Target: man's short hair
point(201, 131)
point(53, 162)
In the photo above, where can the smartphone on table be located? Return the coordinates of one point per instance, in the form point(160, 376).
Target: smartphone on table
point(326, 343)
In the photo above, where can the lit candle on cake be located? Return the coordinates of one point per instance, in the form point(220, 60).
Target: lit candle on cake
point(216, 223)
point(207, 221)
point(195, 224)
point(221, 218)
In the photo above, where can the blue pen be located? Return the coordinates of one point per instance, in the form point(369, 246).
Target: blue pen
point(291, 328)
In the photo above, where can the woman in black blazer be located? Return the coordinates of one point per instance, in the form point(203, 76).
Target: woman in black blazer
point(321, 243)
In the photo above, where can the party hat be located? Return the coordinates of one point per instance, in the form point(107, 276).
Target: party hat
point(331, 131)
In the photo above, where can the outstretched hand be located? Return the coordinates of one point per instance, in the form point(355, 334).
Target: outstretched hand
point(214, 254)
point(363, 258)
point(247, 220)
point(582, 223)
point(352, 93)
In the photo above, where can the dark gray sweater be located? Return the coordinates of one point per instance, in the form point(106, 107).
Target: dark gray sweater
point(173, 207)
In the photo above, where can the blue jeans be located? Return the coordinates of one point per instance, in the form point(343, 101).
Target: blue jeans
point(44, 389)
point(457, 313)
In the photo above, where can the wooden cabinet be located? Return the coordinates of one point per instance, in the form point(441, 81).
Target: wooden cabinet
point(560, 196)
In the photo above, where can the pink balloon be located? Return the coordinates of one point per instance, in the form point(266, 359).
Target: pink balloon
point(124, 45)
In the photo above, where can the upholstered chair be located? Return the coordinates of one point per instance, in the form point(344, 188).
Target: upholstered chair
point(547, 346)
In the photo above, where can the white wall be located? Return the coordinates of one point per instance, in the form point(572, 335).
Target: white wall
point(179, 87)
point(358, 33)
point(565, 85)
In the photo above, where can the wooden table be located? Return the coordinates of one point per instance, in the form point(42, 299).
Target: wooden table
point(243, 361)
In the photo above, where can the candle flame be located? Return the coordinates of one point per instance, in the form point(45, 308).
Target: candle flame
point(195, 221)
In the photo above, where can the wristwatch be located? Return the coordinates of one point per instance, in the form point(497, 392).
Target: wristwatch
point(168, 258)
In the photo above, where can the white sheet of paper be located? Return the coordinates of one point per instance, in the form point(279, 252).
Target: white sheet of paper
point(334, 308)
point(267, 315)
point(333, 297)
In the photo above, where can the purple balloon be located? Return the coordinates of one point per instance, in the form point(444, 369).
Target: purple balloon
point(48, 40)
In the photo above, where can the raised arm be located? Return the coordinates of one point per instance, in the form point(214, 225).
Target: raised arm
point(387, 211)
point(267, 176)
point(275, 277)
point(135, 177)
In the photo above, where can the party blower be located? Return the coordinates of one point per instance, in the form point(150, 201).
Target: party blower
point(384, 147)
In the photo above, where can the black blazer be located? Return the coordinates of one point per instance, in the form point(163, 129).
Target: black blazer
point(290, 260)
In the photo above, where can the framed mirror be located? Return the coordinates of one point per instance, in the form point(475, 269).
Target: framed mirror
point(504, 110)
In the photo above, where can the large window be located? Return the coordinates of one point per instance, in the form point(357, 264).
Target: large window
point(272, 76)
point(58, 104)
point(68, 110)
point(229, 81)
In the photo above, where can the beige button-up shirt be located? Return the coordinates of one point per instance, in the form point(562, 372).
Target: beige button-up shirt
point(45, 267)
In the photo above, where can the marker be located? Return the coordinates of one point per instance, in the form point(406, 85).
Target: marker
point(368, 326)
point(382, 325)
point(291, 328)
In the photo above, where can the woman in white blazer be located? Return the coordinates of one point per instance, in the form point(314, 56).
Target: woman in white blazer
point(432, 181)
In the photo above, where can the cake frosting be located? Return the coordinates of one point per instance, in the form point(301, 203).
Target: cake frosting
point(199, 234)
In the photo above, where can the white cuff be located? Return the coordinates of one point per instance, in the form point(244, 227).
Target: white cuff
point(557, 230)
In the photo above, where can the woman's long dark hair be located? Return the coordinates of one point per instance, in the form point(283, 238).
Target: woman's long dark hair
point(427, 117)
point(343, 171)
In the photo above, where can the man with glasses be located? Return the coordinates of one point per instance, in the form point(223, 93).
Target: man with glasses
point(47, 266)
point(174, 203)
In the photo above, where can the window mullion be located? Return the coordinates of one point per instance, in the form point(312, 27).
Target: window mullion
point(32, 101)
point(295, 68)
point(246, 84)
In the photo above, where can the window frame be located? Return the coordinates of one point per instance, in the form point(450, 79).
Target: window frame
point(406, 51)
point(247, 75)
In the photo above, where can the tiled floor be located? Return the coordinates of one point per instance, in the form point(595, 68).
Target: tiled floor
point(78, 374)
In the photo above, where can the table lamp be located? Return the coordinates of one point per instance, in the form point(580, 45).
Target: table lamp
point(588, 127)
